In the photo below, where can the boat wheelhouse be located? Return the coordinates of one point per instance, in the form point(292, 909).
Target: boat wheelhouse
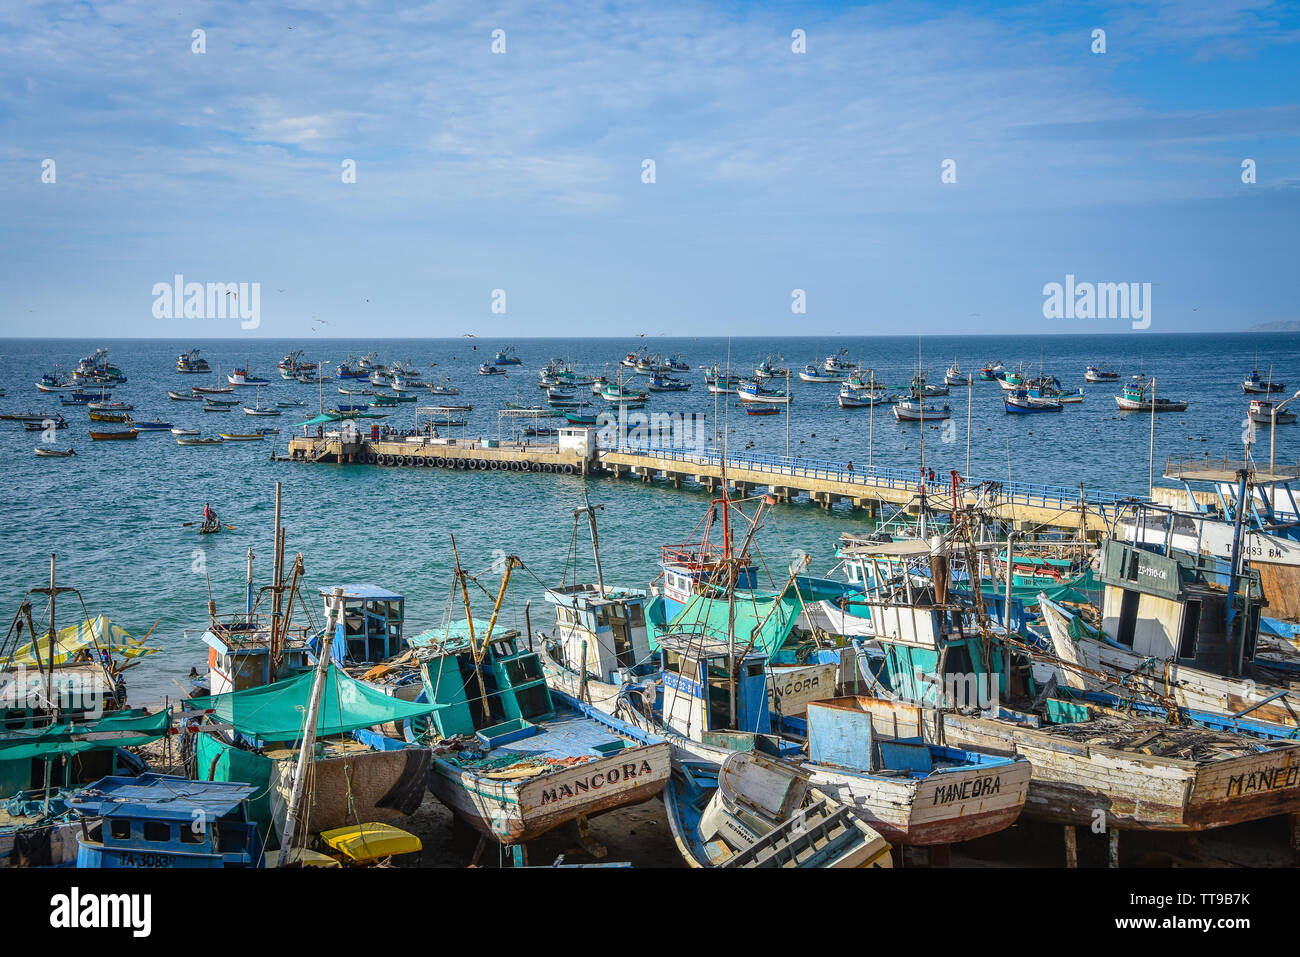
point(1137, 397)
point(1255, 384)
point(165, 821)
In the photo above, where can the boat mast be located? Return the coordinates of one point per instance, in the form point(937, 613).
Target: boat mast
point(595, 538)
point(309, 732)
point(728, 561)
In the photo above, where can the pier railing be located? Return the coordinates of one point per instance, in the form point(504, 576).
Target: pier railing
point(1027, 493)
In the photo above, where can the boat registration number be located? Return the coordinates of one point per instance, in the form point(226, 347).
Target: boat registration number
point(146, 860)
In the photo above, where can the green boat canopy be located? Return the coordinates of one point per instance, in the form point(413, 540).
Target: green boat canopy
point(120, 730)
point(766, 617)
point(277, 712)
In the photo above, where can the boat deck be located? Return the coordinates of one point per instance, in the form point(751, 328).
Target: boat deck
point(568, 739)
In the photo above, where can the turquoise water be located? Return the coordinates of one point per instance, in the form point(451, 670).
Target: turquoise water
point(113, 513)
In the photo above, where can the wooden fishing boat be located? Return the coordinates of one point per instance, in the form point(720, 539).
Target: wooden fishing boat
point(223, 407)
point(151, 426)
point(1135, 399)
point(1020, 402)
point(954, 376)
point(55, 423)
point(183, 440)
point(515, 758)
point(489, 369)
point(179, 397)
point(752, 409)
point(1254, 384)
point(45, 452)
point(244, 377)
point(111, 436)
point(1261, 413)
point(181, 432)
point(812, 373)
point(918, 410)
point(241, 437)
point(1095, 373)
point(192, 363)
point(27, 416)
point(109, 417)
point(912, 792)
point(1141, 774)
point(752, 392)
point(752, 811)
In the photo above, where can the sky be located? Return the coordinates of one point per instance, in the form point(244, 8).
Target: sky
point(504, 192)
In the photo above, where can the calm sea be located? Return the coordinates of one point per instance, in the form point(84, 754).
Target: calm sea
point(114, 512)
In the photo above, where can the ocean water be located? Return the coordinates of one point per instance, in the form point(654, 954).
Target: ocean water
point(113, 514)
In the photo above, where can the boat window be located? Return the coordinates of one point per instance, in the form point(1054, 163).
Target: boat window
point(1191, 625)
point(120, 830)
point(157, 831)
point(636, 615)
point(193, 834)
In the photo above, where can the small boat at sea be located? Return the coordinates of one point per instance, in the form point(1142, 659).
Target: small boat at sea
point(914, 409)
point(753, 392)
point(488, 369)
point(219, 407)
point(954, 375)
point(507, 357)
point(1135, 398)
point(813, 373)
point(1100, 373)
point(103, 405)
point(121, 435)
point(191, 362)
point(46, 452)
point(659, 382)
point(258, 409)
point(57, 422)
point(179, 397)
point(1261, 413)
point(1254, 384)
point(581, 418)
point(52, 382)
point(27, 416)
point(151, 426)
point(116, 417)
point(443, 387)
point(854, 398)
point(1020, 402)
point(241, 436)
point(180, 431)
point(1049, 387)
point(754, 811)
point(290, 403)
point(991, 372)
point(191, 440)
point(756, 409)
point(240, 378)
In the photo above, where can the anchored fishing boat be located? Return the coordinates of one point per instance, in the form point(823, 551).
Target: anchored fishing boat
point(954, 375)
point(764, 409)
point(992, 372)
point(112, 436)
point(660, 382)
point(1253, 384)
point(1020, 402)
point(190, 441)
point(753, 392)
point(1095, 373)
point(179, 397)
point(1135, 398)
point(507, 357)
point(812, 373)
point(917, 410)
point(1261, 413)
point(244, 377)
point(47, 452)
point(151, 426)
point(489, 369)
point(191, 362)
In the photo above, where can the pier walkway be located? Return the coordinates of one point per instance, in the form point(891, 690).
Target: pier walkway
point(1023, 505)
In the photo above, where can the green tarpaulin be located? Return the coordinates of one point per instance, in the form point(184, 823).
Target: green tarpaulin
point(767, 618)
point(125, 729)
point(277, 712)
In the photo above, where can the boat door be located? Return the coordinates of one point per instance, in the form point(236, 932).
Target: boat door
point(620, 626)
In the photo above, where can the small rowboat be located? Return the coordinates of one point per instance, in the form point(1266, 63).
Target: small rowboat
point(110, 436)
point(151, 426)
point(179, 432)
point(26, 416)
point(241, 437)
point(219, 407)
point(290, 403)
point(260, 410)
point(212, 390)
point(177, 397)
point(58, 422)
point(55, 453)
point(197, 441)
point(102, 406)
point(210, 528)
point(752, 409)
point(225, 402)
point(109, 417)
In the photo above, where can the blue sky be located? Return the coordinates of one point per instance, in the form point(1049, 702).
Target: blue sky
point(522, 171)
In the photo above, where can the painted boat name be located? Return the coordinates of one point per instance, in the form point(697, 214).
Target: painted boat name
point(595, 781)
point(970, 788)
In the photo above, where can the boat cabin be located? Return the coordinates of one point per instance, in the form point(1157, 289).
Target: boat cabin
point(495, 694)
point(697, 689)
point(610, 626)
point(1175, 605)
point(372, 623)
point(160, 820)
point(240, 654)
